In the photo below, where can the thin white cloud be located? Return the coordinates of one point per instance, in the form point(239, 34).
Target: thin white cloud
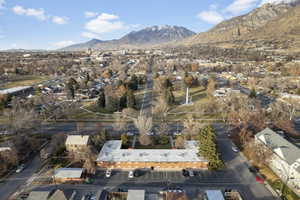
point(37, 13)
point(239, 6)
point(277, 1)
point(89, 35)
point(104, 23)
point(106, 16)
point(2, 2)
point(89, 14)
point(60, 20)
point(63, 43)
point(210, 16)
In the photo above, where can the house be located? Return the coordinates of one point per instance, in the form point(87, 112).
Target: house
point(63, 195)
point(75, 143)
point(18, 91)
point(214, 195)
point(68, 175)
point(285, 161)
point(4, 149)
point(39, 195)
point(176, 196)
point(136, 195)
point(112, 156)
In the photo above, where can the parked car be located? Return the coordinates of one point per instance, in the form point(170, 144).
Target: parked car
point(191, 172)
point(174, 189)
point(235, 149)
point(130, 174)
point(259, 179)
point(130, 133)
point(253, 170)
point(177, 133)
point(151, 133)
point(185, 173)
point(20, 168)
point(136, 173)
point(108, 173)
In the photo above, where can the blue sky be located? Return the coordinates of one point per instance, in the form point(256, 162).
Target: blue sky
point(51, 24)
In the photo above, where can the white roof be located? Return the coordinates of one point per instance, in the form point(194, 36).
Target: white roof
point(112, 152)
point(136, 195)
point(214, 195)
point(77, 140)
point(14, 89)
point(5, 149)
point(68, 173)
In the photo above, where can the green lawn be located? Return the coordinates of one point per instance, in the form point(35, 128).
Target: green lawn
point(198, 96)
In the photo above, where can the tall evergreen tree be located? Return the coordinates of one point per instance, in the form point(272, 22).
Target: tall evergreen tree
point(101, 99)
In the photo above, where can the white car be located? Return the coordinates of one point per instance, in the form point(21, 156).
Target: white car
point(177, 133)
point(191, 173)
point(130, 134)
point(150, 133)
point(130, 174)
point(20, 168)
point(108, 173)
point(235, 149)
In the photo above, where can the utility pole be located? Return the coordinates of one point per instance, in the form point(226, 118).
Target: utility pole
point(187, 96)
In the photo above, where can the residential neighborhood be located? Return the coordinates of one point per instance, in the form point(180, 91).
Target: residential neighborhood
point(143, 112)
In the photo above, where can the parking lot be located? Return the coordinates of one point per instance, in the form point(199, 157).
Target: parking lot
point(200, 176)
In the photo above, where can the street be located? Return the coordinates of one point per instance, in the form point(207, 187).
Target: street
point(18, 180)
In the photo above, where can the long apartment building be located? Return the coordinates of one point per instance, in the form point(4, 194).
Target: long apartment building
point(114, 157)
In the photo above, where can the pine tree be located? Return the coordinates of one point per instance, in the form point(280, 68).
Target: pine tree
point(101, 99)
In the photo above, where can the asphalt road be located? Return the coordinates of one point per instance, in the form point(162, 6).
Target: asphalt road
point(18, 180)
point(146, 107)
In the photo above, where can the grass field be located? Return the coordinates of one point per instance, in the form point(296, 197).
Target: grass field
point(26, 81)
point(198, 97)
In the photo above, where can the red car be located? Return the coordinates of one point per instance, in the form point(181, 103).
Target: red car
point(259, 179)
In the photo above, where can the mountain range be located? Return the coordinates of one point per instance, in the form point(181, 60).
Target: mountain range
point(149, 36)
point(270, 21)
point(277, 21)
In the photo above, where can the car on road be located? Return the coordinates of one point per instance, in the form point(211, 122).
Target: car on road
point(20, 168)
point(151, 133)
point(130, 134)
point(177, 133)
point(235, 149)
point(130, 174)
point(108, 173)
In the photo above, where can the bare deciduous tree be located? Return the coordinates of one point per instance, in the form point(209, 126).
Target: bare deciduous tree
point(211, 86)
point(179, 142)
point(145, 140)
point(143, 124)
point(258, 152)
point(161, 108)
